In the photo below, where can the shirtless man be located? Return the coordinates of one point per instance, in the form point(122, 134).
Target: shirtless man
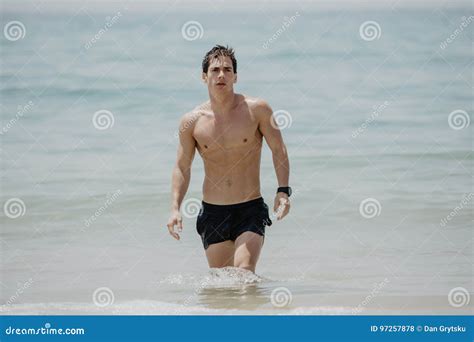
point(227, 131)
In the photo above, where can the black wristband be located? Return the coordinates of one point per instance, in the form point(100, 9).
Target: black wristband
point(285, 189)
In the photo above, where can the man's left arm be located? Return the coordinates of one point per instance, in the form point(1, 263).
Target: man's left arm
point(270, 131)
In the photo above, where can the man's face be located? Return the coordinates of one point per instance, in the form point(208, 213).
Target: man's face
point(220, 75)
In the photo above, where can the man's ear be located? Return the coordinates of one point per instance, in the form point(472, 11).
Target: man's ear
point(204, 77)
point(235, 78)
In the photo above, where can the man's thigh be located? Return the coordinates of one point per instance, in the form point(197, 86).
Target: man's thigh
point(220, 254)
point(247, 250)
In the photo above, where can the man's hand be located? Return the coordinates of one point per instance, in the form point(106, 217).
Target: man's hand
point(175, 220)
point(281, 205)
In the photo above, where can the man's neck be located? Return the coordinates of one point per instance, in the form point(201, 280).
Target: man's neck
point(222, 104)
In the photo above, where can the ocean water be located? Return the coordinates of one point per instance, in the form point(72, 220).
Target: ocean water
point(378, 132)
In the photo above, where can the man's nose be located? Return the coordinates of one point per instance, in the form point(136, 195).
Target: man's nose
point(221, 73)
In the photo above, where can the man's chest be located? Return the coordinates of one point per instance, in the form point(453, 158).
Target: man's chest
point(212, 134)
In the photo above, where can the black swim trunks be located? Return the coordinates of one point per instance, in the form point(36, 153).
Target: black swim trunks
point(218, 223)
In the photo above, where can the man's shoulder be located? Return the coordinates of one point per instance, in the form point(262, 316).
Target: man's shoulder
point(188, 120)
point(194, 114)
point(259, 106)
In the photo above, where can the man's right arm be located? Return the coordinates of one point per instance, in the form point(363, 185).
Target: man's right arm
point(182, 171)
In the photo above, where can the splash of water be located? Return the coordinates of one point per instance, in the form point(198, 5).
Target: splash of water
point(225, 276)
point(232, 276)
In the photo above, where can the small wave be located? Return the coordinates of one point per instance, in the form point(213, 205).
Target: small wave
point(321, 310)
point(139, 307)
point(147, 307)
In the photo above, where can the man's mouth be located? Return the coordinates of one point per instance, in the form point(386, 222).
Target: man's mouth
point(221, 83)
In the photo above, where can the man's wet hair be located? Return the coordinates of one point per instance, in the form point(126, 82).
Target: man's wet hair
point(216, 52)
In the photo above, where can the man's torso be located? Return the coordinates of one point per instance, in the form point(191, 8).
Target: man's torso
point(230, 147)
